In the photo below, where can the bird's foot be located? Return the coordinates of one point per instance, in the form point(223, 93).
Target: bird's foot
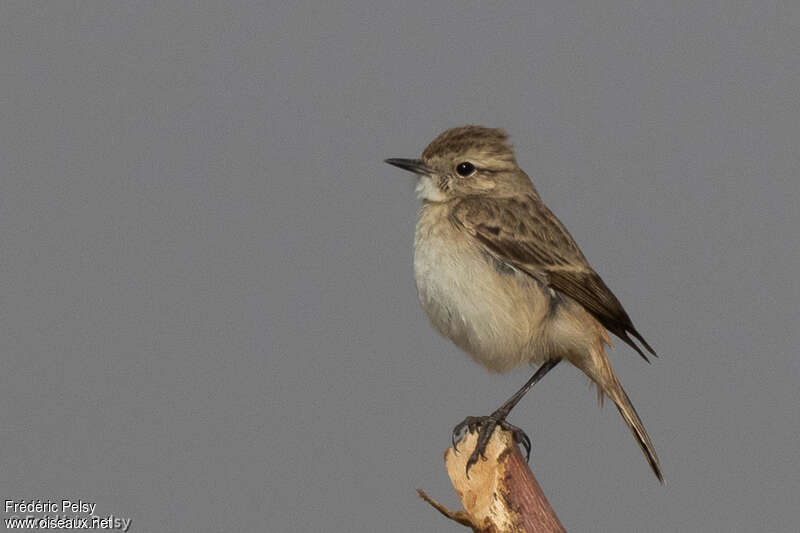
point(485, 425)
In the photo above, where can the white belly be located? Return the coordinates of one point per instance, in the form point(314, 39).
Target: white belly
point(495, 314)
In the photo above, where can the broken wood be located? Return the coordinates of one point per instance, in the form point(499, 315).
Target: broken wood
point(501, 494)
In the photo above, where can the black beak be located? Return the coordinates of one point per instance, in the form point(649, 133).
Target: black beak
point(412, 165)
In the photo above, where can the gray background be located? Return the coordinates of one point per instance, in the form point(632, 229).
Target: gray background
point(209, 321)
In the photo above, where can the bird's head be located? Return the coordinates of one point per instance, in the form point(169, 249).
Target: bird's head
point(467, 161)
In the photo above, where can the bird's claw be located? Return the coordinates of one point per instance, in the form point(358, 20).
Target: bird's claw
point(485, 425)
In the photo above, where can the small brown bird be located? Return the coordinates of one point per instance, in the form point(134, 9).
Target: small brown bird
point(499, 275)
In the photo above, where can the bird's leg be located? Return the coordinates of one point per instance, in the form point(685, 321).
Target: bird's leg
point(485, 424)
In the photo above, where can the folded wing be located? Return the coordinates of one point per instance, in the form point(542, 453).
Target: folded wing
point(524, 233)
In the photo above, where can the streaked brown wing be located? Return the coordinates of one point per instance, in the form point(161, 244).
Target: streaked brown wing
point(543, 248)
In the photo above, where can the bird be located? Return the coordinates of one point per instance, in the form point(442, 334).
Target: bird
point(500, 276)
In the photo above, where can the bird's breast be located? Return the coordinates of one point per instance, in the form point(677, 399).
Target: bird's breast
point(487, 307)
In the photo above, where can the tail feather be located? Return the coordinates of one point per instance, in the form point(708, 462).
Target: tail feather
point(626, 409)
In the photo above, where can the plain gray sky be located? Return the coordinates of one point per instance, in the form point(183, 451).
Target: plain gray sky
point(208, 317)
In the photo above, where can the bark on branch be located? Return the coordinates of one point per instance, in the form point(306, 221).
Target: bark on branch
point(501, 495)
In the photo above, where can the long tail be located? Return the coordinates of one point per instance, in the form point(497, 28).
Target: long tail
point(614, 390)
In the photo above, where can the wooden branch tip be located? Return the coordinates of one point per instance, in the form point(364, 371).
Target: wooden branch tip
point(456, 516)
point(501, 494)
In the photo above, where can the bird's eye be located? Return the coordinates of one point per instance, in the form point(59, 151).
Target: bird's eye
point(465, 169)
